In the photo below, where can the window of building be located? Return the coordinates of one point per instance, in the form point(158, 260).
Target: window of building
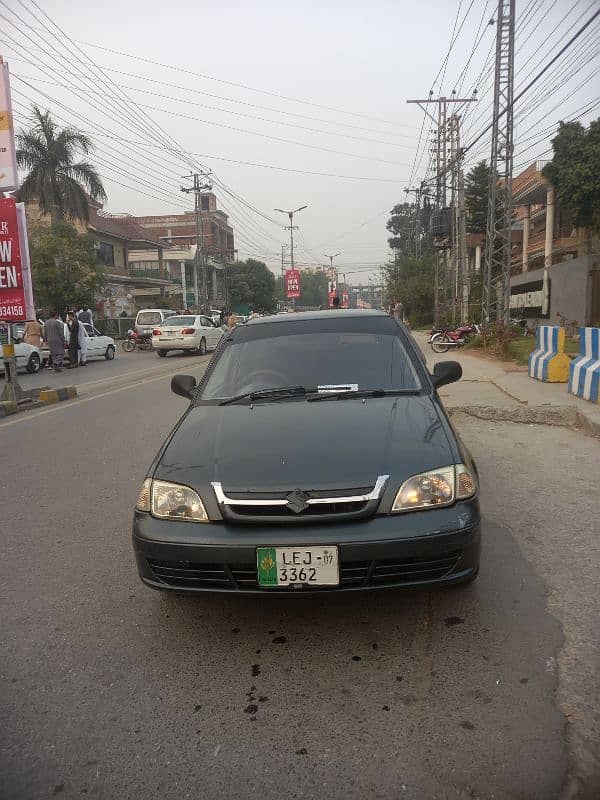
point(204, 203)
point(106, 254)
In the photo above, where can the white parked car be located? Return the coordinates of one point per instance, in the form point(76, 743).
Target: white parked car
point(195, 333)
point(28, 357)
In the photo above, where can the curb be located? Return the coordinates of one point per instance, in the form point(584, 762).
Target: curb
point(563, 416)
point(8, 407)
point(49, 396)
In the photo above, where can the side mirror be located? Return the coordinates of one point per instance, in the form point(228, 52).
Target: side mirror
point(183, 385)
point(446, 372)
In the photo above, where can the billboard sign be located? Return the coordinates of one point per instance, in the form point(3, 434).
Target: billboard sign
point(345, 300)
point(292, 283)
point(330, 297)
point(8, 158)
point(16, 297)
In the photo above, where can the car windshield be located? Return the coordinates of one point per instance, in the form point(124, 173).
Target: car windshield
point(149, 318)
point(179, 322)
point(324, 362)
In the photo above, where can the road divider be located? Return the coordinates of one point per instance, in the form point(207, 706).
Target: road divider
point(49, 396)
point(549, 362)
point(584, 372)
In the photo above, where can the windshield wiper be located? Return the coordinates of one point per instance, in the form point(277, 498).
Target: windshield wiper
point(261, 394)
point(348, 393)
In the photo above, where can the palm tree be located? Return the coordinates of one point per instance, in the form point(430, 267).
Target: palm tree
point(54, 179)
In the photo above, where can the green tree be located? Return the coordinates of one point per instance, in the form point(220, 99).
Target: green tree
point(251, 284)
point(64, 266)
point(313, 290)
point(402, 225)
point(575, 173)
point(477, 184)
point(411, 281)
point(54, 178)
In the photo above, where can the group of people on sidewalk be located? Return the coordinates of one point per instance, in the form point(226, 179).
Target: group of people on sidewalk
point(60, 335)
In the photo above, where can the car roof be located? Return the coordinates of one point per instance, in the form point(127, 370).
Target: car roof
point(318, 315)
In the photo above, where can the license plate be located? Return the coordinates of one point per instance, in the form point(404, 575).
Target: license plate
point(303, 566)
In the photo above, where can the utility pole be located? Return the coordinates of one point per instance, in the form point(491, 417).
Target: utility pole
point(499, 217)
point(332, 270)
point(199, 258)
point(445, 285)
point(291, 228)
point(417, 193)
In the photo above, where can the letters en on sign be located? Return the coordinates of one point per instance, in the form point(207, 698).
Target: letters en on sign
point(16, 297)
point(292, 283)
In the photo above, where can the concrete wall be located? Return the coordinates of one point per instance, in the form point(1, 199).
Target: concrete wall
point(570, 287)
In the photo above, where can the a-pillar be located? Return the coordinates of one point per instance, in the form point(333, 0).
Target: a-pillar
point(549, 226)
point(526, 222)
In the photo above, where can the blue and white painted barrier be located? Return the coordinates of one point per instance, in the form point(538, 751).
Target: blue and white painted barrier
point(548, 362)
point(584, 374)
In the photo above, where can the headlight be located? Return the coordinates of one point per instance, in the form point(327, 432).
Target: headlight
point(171, 501)
point(438, 487)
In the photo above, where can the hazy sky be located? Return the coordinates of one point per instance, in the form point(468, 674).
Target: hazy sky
point(362, 59)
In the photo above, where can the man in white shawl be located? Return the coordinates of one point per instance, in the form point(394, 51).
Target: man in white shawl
point(82, 345)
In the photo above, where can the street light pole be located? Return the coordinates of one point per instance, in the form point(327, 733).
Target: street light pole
point(291, 228)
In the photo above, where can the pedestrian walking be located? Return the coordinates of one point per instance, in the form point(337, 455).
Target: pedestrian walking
point(74, 327)
point(54, 334)
point(223, 316)
point(85, 315)
point(33, 333)
point(335, 302)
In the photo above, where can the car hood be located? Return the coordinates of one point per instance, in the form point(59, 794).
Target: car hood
point(295, 444)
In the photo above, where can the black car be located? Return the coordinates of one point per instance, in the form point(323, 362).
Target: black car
point(315, 456)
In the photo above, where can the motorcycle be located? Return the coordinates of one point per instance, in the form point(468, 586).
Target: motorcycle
point(442, 340)
point(134, 340)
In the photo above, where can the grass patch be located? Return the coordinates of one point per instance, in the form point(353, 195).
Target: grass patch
point(519, 349)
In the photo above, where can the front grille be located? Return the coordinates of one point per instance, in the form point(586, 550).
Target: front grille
point(312, 511)
point(383, 572)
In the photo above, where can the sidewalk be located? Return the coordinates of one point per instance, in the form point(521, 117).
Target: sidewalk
point(494, 389)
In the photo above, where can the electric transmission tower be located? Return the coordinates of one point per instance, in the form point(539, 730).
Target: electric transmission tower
point(496, 282)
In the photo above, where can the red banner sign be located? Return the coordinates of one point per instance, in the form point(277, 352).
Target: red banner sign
point(330, 297)
point(345, 300)
point(292, 283)
point(12, 290)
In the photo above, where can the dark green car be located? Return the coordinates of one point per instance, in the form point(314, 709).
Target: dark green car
point(315, 456)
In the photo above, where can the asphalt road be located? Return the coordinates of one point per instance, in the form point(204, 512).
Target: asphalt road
point(111, 690)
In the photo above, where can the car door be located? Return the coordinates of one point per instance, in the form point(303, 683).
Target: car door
point(92, 336)
point(207, 331)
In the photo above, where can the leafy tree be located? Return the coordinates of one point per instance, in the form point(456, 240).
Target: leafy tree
point(251, 283)
point(574, 172)
point(477, 183)
point(65, 269)
point(313, 289)
point(410, 281)
point(402, 225)
point(54, 178)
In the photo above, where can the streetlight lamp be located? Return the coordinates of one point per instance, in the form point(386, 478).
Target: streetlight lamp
point(291, 228)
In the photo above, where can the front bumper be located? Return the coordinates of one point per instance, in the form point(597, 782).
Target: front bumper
point(413, 550)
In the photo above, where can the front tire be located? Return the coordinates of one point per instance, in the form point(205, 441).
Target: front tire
point(110, 353)
point(128, 345)
point(34, 364)
point(440, 343)
point(162, 353)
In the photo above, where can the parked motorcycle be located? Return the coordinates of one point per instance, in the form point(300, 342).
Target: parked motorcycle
point(442, 340)
point(134, 340)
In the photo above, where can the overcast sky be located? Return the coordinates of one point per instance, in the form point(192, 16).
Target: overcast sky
point(353, 64)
